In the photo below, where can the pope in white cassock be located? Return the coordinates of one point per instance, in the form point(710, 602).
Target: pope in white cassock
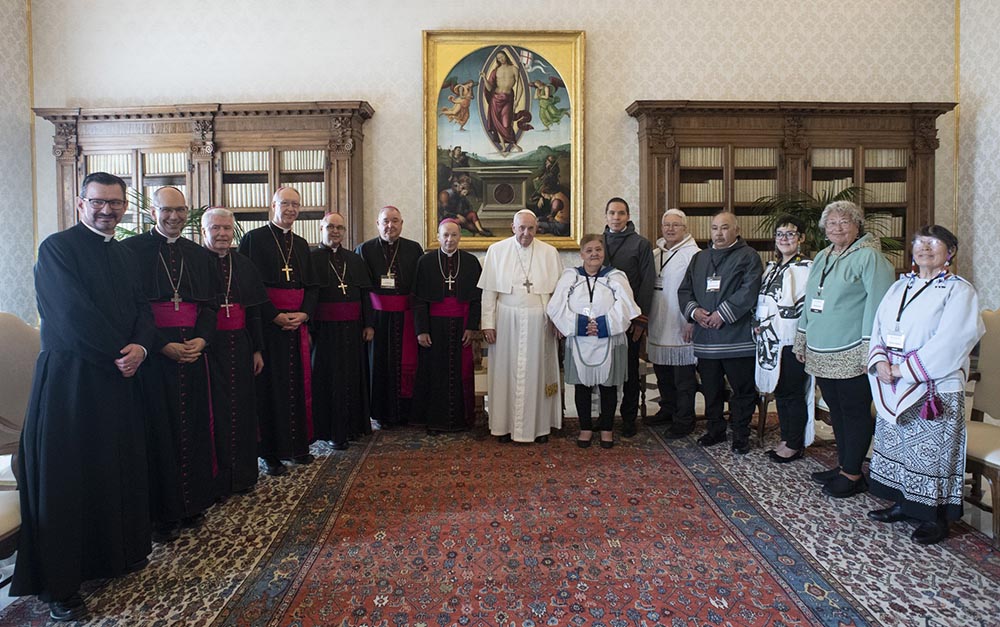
point(519, 276)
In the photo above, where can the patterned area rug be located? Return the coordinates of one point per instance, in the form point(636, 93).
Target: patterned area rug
point(406, 529)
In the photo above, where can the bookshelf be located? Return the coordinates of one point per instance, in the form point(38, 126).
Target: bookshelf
point(229, 155)
point(703, 156)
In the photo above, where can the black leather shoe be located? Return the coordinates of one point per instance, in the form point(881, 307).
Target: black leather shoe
point(659, 418)
point(711, 440)
point(584, 443)
point(69, 609)
point(166, 533)
point(135, 567)
point(339, 446)
point(673, 435)
point(741, 447)
point(504, 439)
point(192, 522)
point(825, 476)
point(274, 467)
point(303, 460)
point(778, 459)
point(607, 443)
point(930, 532)
point(842, 487)
point(542, 439)
point(629, 430)
point(888, 515)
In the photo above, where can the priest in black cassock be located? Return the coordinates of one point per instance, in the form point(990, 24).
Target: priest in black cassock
point(340, 361)
point(235, 358)
point(181, 283)
point(284, 386)
point(392, 262)
point(82, 460)
point(447, 305)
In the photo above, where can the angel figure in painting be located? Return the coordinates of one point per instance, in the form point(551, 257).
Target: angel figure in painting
point(461, 98)
point(547, 100)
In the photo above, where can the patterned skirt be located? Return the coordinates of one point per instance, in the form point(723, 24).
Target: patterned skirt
point(921, 463)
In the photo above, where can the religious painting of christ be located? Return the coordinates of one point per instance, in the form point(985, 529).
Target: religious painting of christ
point(503, 132)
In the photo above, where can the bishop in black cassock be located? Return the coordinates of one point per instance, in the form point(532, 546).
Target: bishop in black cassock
point(236, 356)
point(391, 262)
point(340, 362)
point(284, 387)
point(82, 460)
point(181, 284)
point(447, 306)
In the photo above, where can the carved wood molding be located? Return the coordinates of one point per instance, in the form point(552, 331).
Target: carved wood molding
point(785, 108)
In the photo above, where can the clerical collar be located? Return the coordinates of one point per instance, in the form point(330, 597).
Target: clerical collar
point(388, 242)
point(170, 240)
point(281, 228)
point(222, 255)
point(107, 238)
point(448, 254)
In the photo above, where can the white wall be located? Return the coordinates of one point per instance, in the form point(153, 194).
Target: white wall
point(187, 51)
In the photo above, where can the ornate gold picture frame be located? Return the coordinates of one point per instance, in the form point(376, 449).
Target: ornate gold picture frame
point(503, 131)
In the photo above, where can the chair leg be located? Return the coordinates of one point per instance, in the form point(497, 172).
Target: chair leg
point(992, 474)
point(763, 401)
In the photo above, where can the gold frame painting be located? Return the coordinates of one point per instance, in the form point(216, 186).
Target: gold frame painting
point(503, 131)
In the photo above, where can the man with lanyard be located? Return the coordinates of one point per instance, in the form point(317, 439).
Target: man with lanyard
point(236, 355)
point(392, 262)
point(719, 293)
point(284, 386)
point(668, 343)
point(446, 316)
point(631, 253)
point(81, 469)
point(340, 329)
point(181, 283)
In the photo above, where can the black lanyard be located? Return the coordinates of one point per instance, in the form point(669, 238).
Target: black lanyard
point(663, 264)
point(778, 271)
point(589, 288)
point(903, 303)
point(826, 262)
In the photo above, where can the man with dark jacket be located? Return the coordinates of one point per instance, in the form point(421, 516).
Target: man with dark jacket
point(718, 292)
point(631, 253)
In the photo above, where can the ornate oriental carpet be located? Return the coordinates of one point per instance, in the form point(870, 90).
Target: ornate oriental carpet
point(407, 529)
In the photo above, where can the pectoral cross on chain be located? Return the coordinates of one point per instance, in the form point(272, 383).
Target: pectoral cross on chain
point(527, 284)
point(343, 287)
point(451, 282)
point(288, 272)
point(177, 300)
point(227, 305)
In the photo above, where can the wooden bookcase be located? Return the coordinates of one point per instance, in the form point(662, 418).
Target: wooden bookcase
point(703, 156)
point(227, 155)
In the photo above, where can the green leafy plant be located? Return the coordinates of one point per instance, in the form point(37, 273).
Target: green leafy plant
point(140, 204)
point(809, 208)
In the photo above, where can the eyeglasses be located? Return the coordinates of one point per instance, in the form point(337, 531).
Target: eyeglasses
point(928, 242)
point(289, 204)
point(171, 209)
point(99, 203)
point(786, 234)
point(840, 224)
point(336, 227)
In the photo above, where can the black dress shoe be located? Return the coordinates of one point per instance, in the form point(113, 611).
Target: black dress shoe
point(778, 459)
point(676, 435)
point(842, 486)
point(136, 566)
point(274, 467)
point(72, 608)
point(542, 439)
point(741, 447)
point(930, 532)
point(629, 430)
point(825, 476)
point(303, 460)
point(711, 440)
point(504, 439)
point(339, 446)
point(607, 443)
point(659, 418)
point(191, 522)
point(164, 533)
point(584, 443)
point(888, 515)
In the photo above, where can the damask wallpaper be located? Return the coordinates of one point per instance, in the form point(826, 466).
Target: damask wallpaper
point(257, 50)
point(17, 253)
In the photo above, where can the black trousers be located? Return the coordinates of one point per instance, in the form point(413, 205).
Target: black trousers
point(677, 386)
point(850, 403)
point(630, 390)
point(790, 397)
point(739, 371)
point(609, 398)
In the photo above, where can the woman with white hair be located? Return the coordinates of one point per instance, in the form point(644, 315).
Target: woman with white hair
point(846, 284)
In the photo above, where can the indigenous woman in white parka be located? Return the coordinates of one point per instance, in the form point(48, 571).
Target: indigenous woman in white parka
point(592, 307)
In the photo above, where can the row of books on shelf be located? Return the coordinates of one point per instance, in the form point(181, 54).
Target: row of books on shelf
point(832, 158)
point(749, 190)
point(700, 157)
point(119, 164)
point(755, 157)
point(893, 191)
point(313, 193)
point(886, 158)
point(154, 163)
point(308, 229)
point(244, 195)
point(709, 191)
point(302, 160)
point(884, 225)
point(834, 186)
point(246, 161)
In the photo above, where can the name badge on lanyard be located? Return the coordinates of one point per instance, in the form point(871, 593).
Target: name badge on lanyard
point(895, 340)
point(658, 284)
point(387, 282)
point(714, 283)
point(816, 305)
